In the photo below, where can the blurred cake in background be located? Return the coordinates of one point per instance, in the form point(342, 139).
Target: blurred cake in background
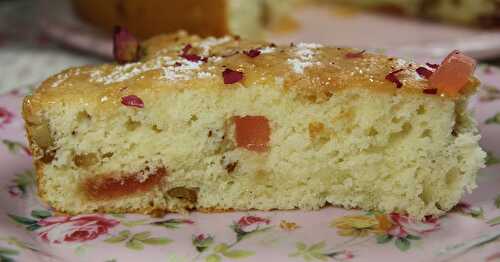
point(205, 18)
point(481, 13)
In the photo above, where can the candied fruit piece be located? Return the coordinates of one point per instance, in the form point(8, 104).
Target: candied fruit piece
point(252, 132)
point(453, 74)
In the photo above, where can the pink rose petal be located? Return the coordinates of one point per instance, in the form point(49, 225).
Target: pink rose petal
point(252, 53)
point(430, 91)
point(186, 49)
point(231, 76)
point(433, 66)
point(125, 46)
point(191, 57)
point(132, 100)
point(393, 78)
point(424, 72)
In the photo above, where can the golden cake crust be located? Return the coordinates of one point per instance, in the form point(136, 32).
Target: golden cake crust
point(312, 71)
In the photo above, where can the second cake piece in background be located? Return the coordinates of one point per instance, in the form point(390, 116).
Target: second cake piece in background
point(205, 18)
point(477, 13)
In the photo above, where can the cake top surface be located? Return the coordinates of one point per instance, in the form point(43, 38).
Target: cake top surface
point(312, 71)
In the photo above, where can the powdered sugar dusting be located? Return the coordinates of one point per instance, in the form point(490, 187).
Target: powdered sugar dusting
point(304, 57)
point(205, 75)
point(400, 63)
point(208, 43)
point(182, 71)
point(309, 46)
point(124, 72)
point(409, 74)
point(267, 50)
point(171, 69)
point(215, 59)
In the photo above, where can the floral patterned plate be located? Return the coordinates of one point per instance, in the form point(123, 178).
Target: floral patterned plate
point(29, 231)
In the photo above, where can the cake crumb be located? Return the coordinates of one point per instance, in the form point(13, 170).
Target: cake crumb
point(288, 226)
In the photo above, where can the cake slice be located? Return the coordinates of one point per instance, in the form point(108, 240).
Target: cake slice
point(228, 124)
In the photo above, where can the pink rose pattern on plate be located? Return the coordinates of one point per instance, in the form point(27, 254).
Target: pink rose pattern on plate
point(248, 224)
point(5, 117)
point(58, 229)
point(471, 232)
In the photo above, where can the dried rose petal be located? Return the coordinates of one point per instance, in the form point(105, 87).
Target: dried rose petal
point(186, 49)
point(231, 76)
point(355, 55)
point(430, 91)
point(191, 57)
point(252, 52)
point(433, 66)
point(132, 100)
point(125, 46)
point(424, 72)
point(393, 78)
